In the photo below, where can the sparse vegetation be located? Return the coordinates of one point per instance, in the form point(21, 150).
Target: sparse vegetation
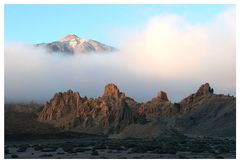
point(14, 156)
point(46, 155)
point(139, 148)
point(94, 152)
point(79, 149)
point(22, 149)
point(37, 147)
point(6, 151)
point(49, 149)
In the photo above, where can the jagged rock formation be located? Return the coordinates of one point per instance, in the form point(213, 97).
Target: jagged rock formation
point(162, 96)
point(72, 44)
point(204, 90)
point(111, 90)
point(106, 114)
point(202, 113)
point(159, 106)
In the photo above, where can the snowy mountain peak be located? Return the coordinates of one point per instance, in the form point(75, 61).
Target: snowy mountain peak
point(72, 44)
point(69, 37)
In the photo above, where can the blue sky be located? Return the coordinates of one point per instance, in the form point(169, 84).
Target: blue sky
point(45, 23)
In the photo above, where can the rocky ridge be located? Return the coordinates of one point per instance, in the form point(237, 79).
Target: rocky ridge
point(106, 114)
point(116, 114)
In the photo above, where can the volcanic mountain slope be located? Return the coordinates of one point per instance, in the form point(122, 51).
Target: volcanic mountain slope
point(21, 119)
point(210, 115)
point(202, 113)
point(72, 44)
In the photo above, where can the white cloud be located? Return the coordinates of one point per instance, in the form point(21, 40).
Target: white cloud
point(169, 53)
point(170, 47)
point(169, 39)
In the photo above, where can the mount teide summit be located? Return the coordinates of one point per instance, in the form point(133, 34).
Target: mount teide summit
point(114, 114)
point(72, 44)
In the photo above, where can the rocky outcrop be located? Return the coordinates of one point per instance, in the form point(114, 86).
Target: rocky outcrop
point(200, 114)
point(159, 106)
point(162, 96)
point(204, 91)
point(114, 113)
point(111, 90)
point(106, 114)
point(61, 105)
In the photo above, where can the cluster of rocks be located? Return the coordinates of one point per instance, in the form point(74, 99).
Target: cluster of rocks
point(106, 114)
point(114, 111)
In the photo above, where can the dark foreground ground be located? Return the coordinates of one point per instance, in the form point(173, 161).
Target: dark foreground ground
point(88, 146)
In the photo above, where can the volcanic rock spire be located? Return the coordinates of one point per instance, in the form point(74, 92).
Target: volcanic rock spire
point(111, 90)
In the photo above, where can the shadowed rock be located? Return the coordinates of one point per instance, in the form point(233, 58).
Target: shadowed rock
point(204, 89)
point(162, 96)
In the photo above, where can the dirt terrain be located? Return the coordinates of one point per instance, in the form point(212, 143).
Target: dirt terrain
point(101, 147)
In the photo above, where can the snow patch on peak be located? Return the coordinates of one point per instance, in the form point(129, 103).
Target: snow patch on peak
point(84, 40)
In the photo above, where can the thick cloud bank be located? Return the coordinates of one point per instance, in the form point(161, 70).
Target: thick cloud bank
point(169, 54)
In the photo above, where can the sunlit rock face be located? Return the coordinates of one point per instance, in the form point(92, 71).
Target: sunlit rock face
point(109, 113)
point(159, 106)
point(203, 91)
point(112, 91)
